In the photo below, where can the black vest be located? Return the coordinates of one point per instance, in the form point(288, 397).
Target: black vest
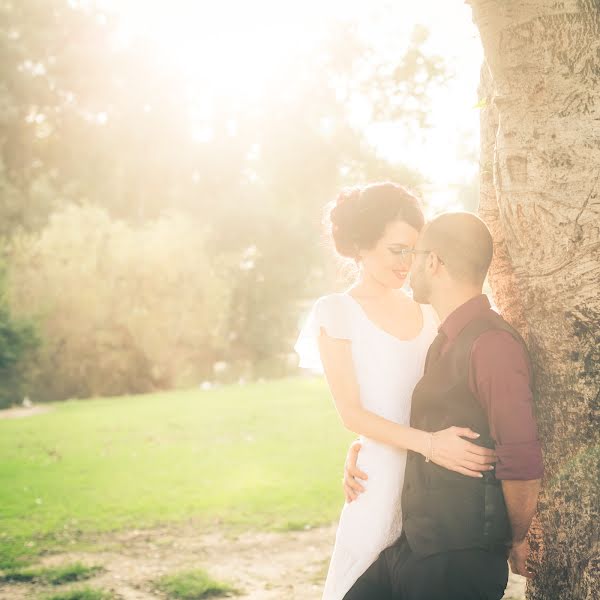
point(444, 510)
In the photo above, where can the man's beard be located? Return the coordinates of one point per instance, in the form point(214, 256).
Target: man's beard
point(420, 287)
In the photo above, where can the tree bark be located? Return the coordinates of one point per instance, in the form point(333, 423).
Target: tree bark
point(540, 195)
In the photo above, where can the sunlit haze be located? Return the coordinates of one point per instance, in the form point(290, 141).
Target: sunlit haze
point(240, 50)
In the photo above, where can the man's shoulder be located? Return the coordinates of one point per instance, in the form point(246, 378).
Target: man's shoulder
point(490, 330)
point(501, 336)
point(499, 330)
point(499, 348)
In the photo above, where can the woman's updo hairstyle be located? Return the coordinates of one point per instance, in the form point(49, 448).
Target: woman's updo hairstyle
point(360, 215)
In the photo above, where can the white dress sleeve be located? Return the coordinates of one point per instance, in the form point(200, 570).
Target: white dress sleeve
point(330, 313)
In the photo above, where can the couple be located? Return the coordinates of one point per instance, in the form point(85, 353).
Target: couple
point(449, 458)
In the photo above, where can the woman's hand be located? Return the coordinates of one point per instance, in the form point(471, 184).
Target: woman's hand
point(352, 487)
point(449, 450)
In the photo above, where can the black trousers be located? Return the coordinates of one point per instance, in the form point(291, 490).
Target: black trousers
point(398, 574)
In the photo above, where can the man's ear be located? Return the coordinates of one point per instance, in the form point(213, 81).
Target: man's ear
point(433, 263)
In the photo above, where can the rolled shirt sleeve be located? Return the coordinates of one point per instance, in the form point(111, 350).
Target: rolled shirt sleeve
point(499, 376)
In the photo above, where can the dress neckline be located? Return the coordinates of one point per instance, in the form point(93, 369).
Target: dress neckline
point(387, 333)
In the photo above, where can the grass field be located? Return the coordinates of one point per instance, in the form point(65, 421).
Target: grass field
point(264, 455)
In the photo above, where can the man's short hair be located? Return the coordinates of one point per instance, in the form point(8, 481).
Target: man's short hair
point(463, 242)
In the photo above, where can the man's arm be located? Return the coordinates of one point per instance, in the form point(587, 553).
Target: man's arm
point(521, 502)
point(500, 378)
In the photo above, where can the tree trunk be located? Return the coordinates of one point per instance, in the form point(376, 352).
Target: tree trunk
point(540, 195)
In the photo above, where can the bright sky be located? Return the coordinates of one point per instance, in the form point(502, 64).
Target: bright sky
point(447, 152)
point(211, 39)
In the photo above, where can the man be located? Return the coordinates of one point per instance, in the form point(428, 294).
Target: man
point(459, 531)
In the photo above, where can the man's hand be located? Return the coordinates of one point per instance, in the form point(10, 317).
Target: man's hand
point(352, 488)
point(517, 559)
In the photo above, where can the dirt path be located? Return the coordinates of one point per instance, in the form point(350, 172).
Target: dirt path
point(264, 566)
point(19, 412)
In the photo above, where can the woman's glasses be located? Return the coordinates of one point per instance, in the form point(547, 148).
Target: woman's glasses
point(408, 253)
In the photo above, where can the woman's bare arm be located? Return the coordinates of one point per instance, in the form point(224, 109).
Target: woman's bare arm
point(336, 356)
point(450, 450)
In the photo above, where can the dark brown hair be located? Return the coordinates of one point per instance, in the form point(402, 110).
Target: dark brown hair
point(360, 215)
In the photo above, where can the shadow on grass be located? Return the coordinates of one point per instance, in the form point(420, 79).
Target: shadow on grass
point(51, 575)
point(84, 593)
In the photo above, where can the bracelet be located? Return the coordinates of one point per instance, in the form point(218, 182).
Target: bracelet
point(429, 455)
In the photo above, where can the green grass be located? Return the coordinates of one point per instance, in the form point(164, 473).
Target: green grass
point(193, 585)
point(264, 455)
point(84, 593)
point(51, 575)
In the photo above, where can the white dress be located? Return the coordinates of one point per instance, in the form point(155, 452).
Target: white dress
point(387, 370)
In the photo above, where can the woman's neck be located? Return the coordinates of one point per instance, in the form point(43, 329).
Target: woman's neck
point(368, 287)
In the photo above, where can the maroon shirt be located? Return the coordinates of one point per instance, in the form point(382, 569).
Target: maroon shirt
point(500, 378)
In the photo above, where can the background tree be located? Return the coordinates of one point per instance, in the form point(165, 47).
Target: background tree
point(18, 342)
point(95, 118)
point(540, 175)
point(91, 118)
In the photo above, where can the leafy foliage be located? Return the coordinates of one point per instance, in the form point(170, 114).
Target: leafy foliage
point(121, 308)
point(77, 128)
point(18, 339)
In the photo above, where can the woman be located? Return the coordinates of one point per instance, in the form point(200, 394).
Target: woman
point(371, 342)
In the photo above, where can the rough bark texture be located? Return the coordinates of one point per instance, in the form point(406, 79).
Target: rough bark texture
point(540, 194)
